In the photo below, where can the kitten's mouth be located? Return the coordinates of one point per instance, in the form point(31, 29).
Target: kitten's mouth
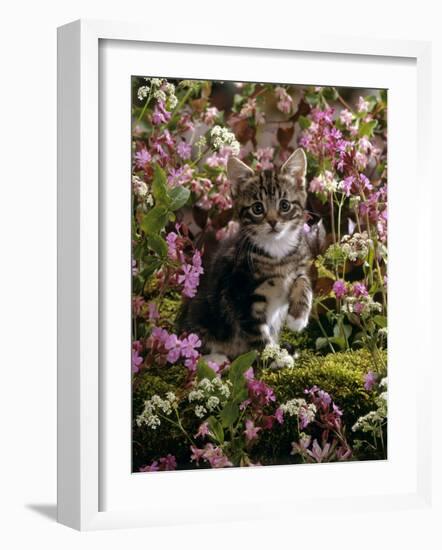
point(273, 230)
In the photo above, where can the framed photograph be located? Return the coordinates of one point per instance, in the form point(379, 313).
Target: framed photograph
point(232, 272)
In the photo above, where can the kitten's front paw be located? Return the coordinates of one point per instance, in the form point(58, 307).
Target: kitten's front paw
point(297, 324)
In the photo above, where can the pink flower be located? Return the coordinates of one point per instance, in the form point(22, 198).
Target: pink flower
point(153, 311)
point(189, 344)
point(160, 114)
point(359, 289)
point(358, 307)
point(191, 275)
point(142, 157)
point(171, 240)
point(150, 468)
point(210, 115)
point(279, 415)
point(184, 150)
point(136, 361)
point(137, 305)
point(264, 157)
point(163, 464)
point(346, 185)
point(345, 116)
point(203, 430)
point(180, 176)
point(284, 102)
point(370, 380)
point(317, 453)
point(173, 345)
point(340, 289)
point(167, 463)
point(363, 105)
point(213, 455)
point(251, 432)
point(214, 366)
point(249, 374)
point(197, 454)
point(316, 185)
point(260, 392)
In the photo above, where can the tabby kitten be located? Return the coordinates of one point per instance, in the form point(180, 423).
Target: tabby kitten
point(258, 279)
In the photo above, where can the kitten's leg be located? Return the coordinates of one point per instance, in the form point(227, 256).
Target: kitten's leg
point(300, 303)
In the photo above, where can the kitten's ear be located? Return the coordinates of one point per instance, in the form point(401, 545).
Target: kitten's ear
point(237, 171)
point(296, 166)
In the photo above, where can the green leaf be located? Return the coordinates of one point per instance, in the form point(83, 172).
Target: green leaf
point(367, 128)
point(159, 186)
point(338, 340)
point(204, 371)
point(304, 122)
point(229, 414)
point(178, 197)
point(321, 342)
point(151, 264)
point(154, 220)
point(330, 94)
point(239, 367)
point(338, 328)
point(216, 429)
point(312, 98)
point(380, 320)
point(157, 244)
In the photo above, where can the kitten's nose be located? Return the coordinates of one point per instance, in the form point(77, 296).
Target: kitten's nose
point(272, 223)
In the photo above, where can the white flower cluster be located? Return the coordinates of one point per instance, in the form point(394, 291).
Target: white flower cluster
point(364, 306)
point(154, 407)
point(329, 183)
point(356, 246)
point(142, 93)
point(280, 357)
point(161, 91)
point(141, 190)
point(297, 405)
point(209, 395)
point(222, 137)
point(374, 420)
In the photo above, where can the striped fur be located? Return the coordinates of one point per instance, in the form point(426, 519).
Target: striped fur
point(257, 280)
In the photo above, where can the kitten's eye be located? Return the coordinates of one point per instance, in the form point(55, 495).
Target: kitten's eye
point(258, 208)
point(284, 205)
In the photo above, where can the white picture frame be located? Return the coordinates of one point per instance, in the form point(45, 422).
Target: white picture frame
point(80, 394)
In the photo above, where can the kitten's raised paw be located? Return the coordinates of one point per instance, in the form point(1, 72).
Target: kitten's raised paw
point(297, 324)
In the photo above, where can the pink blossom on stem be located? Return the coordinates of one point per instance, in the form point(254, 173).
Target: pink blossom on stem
point(251, 431)
point(370, 380)
point(359, 289)
point(142, 157)
point(340, 289)
point(153, 311)
point(160, 115)
point(184, 150)
point(137, 361)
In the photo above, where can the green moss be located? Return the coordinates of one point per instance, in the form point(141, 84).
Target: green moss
point(340, 374)
point(169, 306)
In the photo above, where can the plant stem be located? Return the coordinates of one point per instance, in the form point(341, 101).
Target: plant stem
point(149, 97)
point(324, 333)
